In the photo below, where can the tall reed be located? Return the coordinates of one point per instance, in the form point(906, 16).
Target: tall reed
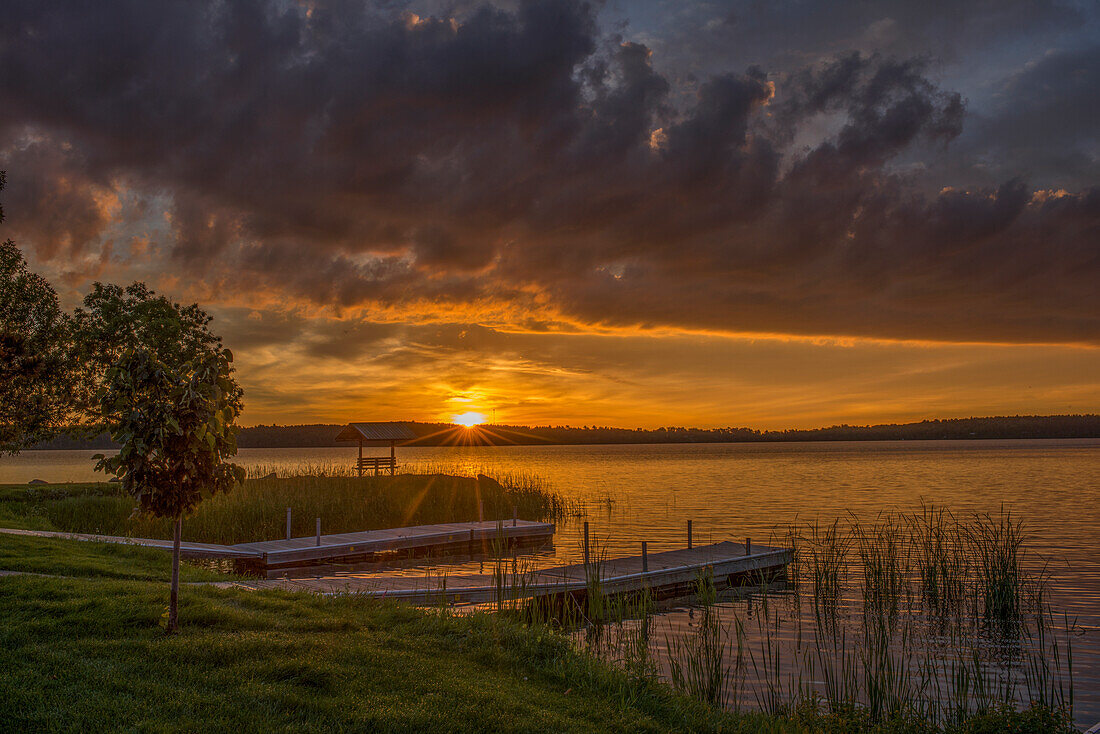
point(825, 554)
point(941, 560)
point(997, 550)
point(884, 563)
point(256, 510)
point(697, 662)
point(914, 637)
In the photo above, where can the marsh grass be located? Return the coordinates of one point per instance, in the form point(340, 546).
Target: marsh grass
point(917, 617)
point(942, 563)
point(998, 556)
point(823, 554)
point(697, 661)
point(256, 510)
point(884, 562)
point(921, 622)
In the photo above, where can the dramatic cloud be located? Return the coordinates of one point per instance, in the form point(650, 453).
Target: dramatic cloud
point(359, 158)
point(553, 166)
point(1044, 120)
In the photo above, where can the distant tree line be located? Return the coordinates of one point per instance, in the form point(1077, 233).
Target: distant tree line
point(447, 434)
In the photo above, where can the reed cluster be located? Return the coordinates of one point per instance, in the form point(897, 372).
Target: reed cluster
point(257, 510)
point(919, 616)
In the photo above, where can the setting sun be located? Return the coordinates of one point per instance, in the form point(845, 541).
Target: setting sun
point(468, 419)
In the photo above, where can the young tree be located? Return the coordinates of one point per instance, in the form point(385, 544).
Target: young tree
point(35, 374)
point(164, 388)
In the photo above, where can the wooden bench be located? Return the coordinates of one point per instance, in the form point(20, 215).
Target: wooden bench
point(377, 464)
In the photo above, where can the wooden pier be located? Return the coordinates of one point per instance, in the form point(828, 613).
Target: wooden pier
point(668, 574)
point(442, 538)
point(342, 547)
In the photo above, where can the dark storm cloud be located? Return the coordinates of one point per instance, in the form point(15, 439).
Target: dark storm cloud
point(885, 103)
point(1045, 120)
point(705, 35)
point(518, 164)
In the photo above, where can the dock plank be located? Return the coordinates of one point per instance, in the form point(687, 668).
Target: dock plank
point(393, 539)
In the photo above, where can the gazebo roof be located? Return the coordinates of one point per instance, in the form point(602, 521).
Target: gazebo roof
point(376, 433)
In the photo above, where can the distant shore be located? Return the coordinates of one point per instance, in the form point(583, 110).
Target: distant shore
point(447, 434)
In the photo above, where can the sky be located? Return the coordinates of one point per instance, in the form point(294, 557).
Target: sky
point(639, 214)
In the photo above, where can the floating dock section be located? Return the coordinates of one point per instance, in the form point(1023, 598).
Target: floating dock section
point(662, 575)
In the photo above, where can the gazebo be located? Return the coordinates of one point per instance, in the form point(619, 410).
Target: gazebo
point(377, 434)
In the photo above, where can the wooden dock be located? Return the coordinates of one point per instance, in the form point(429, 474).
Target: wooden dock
point(341, 547)
point(668, 574)
point(443, 537)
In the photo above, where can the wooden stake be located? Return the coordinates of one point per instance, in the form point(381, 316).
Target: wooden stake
point(586, 543)
point(689, 534)
point(748, 546)
point(645, 557)
point(318, 531)
point(288, 523)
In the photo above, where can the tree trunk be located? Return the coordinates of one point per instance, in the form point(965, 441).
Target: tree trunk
point(173, 597)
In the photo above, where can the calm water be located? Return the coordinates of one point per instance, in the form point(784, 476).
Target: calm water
point(730, 491)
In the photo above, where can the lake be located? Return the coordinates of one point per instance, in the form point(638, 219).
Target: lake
point(632, 493)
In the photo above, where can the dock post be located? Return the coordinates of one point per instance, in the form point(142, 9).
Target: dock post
point(288, 523)
point(318, 532)
point(645, 557)
point(586, 543)
point(515, 515)
point(748, 546)
point(689, 534)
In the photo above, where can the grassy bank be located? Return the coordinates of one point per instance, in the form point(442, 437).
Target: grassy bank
point(59, 557)
point(256, 510)
point(82, 655)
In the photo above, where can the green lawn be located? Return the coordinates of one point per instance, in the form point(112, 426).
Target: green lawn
point(61, 557)
point(89, 655)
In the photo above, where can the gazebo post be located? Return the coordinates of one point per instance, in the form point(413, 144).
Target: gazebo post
point(393, 457)
point(359, 464)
